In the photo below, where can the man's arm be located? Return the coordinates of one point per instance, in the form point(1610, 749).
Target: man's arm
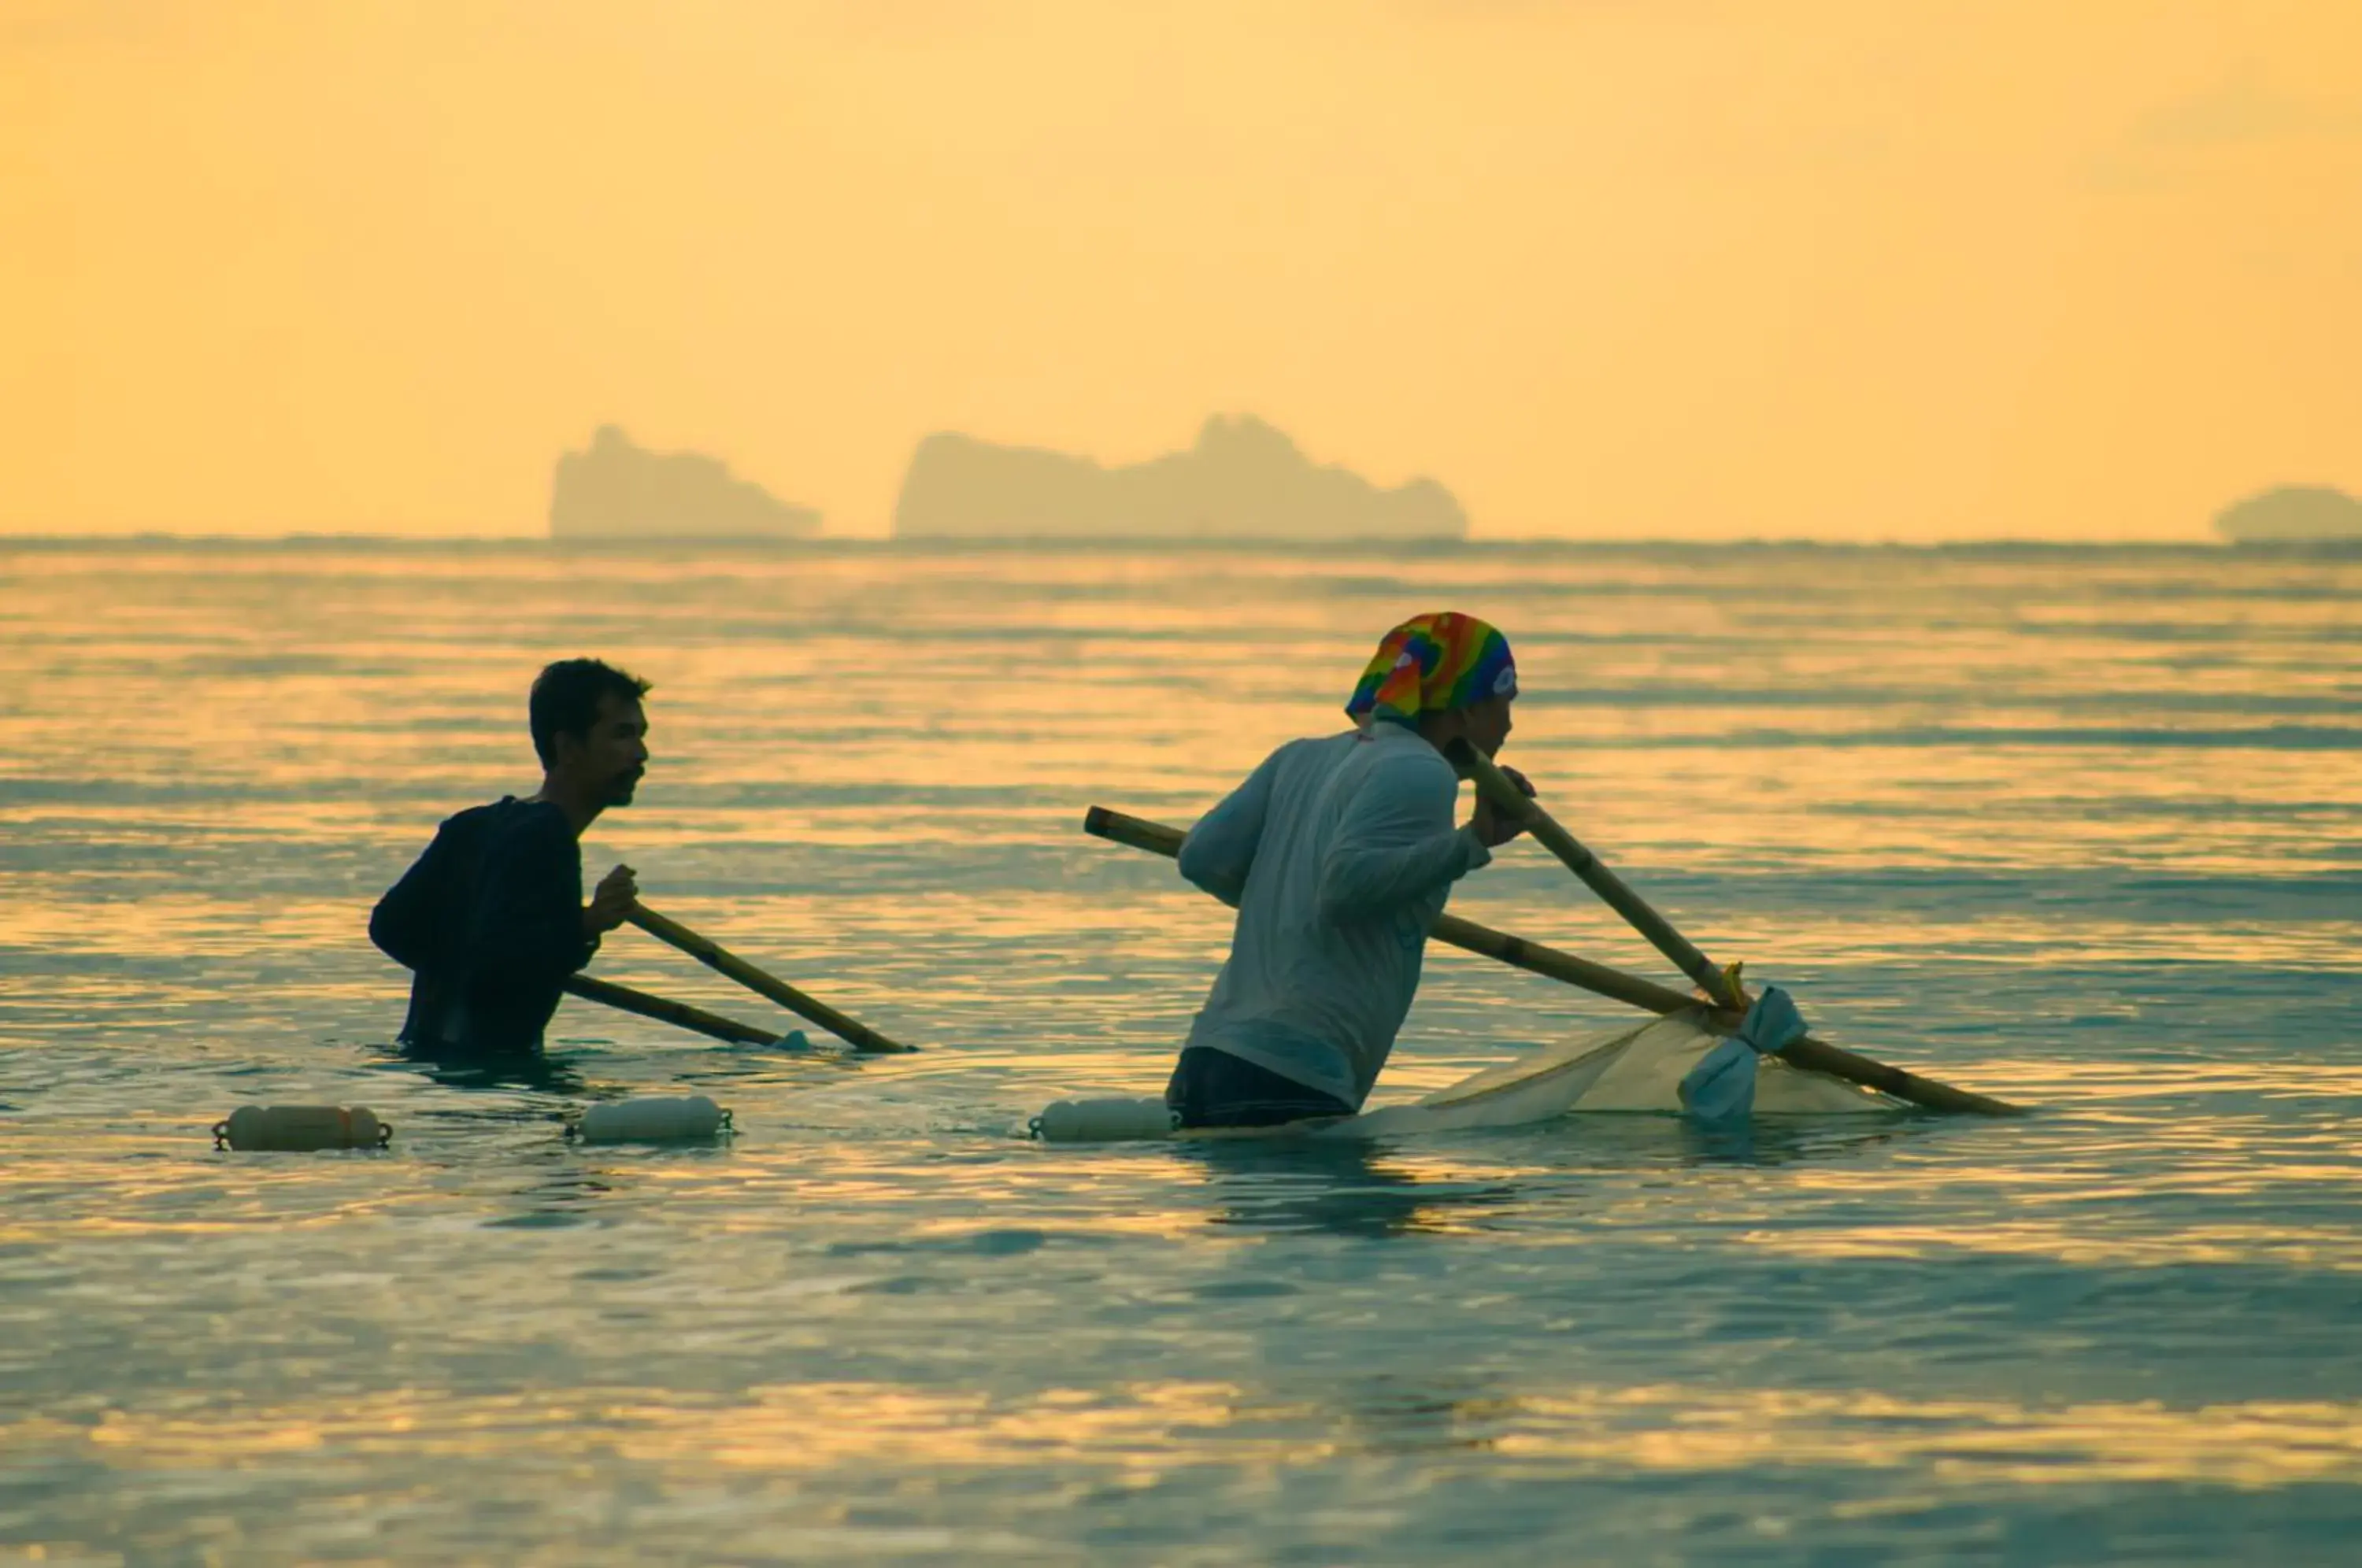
point(402, 925)
point(527, 923)
point(1397, 843)
point(1221, 850)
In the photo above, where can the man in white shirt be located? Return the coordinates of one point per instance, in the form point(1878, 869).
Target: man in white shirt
point(1338, 852)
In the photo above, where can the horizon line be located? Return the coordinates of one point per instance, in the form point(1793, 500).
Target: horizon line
point(154, 537)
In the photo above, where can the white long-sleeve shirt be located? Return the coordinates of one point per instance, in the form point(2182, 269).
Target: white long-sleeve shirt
point(1337, 854)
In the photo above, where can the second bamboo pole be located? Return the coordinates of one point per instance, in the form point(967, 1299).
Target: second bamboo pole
point(719, 959)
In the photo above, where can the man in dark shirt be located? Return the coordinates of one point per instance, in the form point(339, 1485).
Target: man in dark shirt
point(491, 920)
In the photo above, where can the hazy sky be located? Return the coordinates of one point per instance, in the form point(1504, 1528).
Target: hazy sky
point(1851, 269)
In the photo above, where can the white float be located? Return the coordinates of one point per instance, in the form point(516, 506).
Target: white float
point(301, 1129)
point(1111, 1120)
point(654, 1119)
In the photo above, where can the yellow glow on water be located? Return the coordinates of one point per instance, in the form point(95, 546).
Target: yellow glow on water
point(2079, 836)
point(1157, 1427)
point(2262, 1444)
point(2080, 1243)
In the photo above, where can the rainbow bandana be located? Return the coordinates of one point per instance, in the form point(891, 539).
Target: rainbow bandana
point(1433, 664)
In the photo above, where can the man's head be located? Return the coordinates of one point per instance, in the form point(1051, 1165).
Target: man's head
point(588, 730)
point(1485, 725)
point(1449, 676)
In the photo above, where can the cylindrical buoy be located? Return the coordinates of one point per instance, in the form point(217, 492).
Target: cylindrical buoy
point(301, 1129)
point(1107, 1120)
point(654, 1120)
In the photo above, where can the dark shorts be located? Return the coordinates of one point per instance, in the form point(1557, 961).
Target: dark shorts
point(1214, 1088)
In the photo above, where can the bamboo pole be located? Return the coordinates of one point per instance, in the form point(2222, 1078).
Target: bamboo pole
point(719, 959)
point(1816, 1056)
point(666, 1010)
point(1507, 798)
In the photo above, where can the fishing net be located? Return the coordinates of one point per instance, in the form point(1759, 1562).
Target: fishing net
point(1636, 1068)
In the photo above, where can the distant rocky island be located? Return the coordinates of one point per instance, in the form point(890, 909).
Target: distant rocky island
point(1243, 480)
point(618, 490)
point(2293, 514)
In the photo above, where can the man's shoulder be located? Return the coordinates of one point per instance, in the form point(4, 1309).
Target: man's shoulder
point(473, 820)
point(1318, 750)
point(470, 819)
point(533, 819)
point(1404, 754)
point(509, 821)
point(1398, 768)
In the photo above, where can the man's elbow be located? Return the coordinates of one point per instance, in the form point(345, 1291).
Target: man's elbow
point(385, 934)
point(1212, 880)
point(1193, 859)
point(1227, 892)
point(1201, 866)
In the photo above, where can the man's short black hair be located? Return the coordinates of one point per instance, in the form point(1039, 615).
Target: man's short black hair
point(566, 700)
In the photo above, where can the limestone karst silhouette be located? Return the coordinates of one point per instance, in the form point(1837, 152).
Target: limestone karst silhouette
point(619, 491)
point(1243, 480)
point(2292, 513)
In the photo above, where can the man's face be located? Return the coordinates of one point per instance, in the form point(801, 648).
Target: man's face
point(1489, 723)
point(613, 755)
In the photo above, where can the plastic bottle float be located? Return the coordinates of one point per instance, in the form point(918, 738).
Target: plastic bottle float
point(652, 1119)
point(301, 1129)
point(1107, 1120)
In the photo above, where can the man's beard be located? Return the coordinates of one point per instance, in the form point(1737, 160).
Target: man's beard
point(620, 792)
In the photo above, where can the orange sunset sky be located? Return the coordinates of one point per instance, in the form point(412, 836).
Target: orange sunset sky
point(1848, 268)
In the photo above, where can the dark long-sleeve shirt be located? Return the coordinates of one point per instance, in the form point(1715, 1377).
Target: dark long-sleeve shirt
point(490, 923)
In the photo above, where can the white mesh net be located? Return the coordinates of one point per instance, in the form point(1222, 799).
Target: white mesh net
point(1637, 1069)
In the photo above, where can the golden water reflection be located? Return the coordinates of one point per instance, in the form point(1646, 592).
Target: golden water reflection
point(1157, 1426)
point(2076, 830)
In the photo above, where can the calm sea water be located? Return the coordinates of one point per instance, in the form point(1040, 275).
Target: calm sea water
point(2075, 828)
